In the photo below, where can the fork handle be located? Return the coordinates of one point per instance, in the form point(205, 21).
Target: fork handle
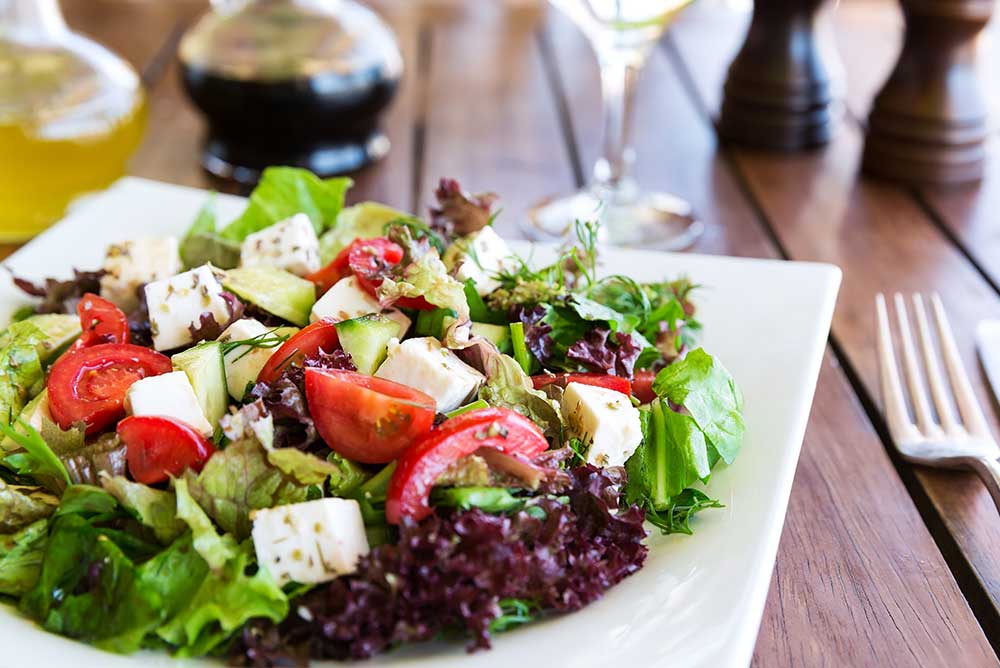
point(989, 470)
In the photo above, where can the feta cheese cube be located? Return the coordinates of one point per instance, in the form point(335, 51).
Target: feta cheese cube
point(243, 363)
point(605, 419)
point(310, 542)
point(426, 365)
point(347, 300)
point(290, 245)
point(176, 304)
point(481, 256)
point(168, 395)
point(133, 263)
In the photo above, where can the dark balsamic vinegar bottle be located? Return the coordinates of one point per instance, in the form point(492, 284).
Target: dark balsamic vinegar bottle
point(290, 82)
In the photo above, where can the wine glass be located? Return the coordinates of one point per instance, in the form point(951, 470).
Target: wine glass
point(621, 32)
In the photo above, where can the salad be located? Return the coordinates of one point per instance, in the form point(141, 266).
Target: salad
point(320, 431)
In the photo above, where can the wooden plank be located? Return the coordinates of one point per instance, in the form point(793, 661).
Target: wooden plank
point(491, 121)
point(819, 210)
point(835, 598)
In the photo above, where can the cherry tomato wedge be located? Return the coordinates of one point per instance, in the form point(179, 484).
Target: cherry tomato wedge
point(367, 258)
point(100, 322)
point(159, 447)
point(293, 352)
point(616, 383)
point(420, 466)
point(328, 276)
point(89, 384)
point(642, 385)
point(366, 419)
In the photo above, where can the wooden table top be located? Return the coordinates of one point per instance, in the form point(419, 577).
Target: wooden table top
point(880, 563)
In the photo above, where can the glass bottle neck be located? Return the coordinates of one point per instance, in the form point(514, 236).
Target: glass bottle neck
point(34, 18)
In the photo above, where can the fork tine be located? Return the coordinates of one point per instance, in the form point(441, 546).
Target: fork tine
point(915, 380)
point(968, 405)
point(932, 363)
point(896, 415)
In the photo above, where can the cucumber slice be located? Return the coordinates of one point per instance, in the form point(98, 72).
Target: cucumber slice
point(361, 221)
point(279, 292)
point(204, 368)
point(367, 339)
point(59, 330)
point(498, 334)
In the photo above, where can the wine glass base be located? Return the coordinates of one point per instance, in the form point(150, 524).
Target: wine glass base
point(647, 220)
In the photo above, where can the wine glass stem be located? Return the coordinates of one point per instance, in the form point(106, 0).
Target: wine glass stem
point(618, 77)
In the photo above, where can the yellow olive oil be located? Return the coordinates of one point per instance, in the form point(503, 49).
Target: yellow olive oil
point(69, 120)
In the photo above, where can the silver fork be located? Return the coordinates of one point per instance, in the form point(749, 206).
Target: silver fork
point(947, 441)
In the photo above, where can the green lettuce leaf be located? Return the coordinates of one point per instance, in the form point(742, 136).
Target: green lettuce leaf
point(361, 221)
point(216, 550)
point(704, 387)
point(508, 386)
point(672, 457)
point(223, 604)
point(237, 480)
point(21, 555)
point(155, 508)
point(38, 459)
point(21, 506)
point(203, 244)
point(302, 467)
point(427, 277)
point(21, 373)
point(283, 192)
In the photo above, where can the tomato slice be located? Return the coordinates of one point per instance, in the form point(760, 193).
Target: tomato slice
point(322, 334)
point(158, 447)
point(642, 385)
point(368, 259)
point(89, 384)
point(616, 383)
point(420, 466)
point(100, 322)
point(366, 419)
point(328, 276)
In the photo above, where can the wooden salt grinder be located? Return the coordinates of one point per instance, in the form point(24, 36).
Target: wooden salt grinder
point(778, 92)
point(928, 124)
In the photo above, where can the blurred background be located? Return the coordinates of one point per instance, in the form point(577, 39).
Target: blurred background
point(512, 90)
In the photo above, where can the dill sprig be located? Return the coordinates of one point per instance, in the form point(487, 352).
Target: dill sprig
point(268, 339)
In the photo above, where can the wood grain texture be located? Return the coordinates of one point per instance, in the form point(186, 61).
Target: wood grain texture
point(879, 235)
point(835, 597)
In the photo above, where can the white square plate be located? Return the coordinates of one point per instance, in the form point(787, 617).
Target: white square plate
point(698, 601)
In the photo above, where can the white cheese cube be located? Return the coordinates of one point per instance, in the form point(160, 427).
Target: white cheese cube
point(310, 542)
point(290, 245)
point(424, 364)
point(176, 304)
point(346, 300)
point(243, 363)
point(168, 395)
point(481, 256)
point(605, 419)
point(133, 263)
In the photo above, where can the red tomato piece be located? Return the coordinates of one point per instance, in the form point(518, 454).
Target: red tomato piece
point(158, 447)
point(89, 384)
point(368, 259)
point(328, 276)
point(100, 322)
point(366, 419)
point(616, 383)
point(293, 352)
point(642, 385)
point(420, 466)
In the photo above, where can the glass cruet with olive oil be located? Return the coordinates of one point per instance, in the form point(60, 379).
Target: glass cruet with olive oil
point(71, 113)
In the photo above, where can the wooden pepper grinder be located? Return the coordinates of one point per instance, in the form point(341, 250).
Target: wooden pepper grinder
point(928, 124)
point(779, 91)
